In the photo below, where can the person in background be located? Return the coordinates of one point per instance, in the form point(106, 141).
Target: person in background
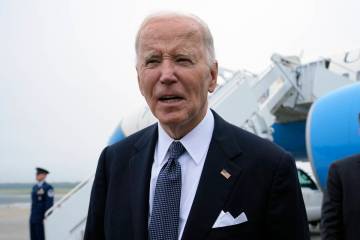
point(341, 205)
point(42, 198)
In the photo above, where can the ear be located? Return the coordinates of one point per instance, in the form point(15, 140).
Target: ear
point(139, 81)
point(213, 75)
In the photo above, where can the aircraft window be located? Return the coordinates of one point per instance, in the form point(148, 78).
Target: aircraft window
point(346, 75)
point(305, 180)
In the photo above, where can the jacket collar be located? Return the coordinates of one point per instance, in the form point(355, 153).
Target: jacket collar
point(213, 187)
point(140, 172)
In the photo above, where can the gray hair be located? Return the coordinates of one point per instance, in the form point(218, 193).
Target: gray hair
point(207, 36)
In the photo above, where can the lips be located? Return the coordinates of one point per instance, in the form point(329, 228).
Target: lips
point(170, 98)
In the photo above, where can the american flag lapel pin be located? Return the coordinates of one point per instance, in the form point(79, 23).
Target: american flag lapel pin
point(225, 173)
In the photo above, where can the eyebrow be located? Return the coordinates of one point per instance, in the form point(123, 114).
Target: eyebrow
point(185, 54)
point(151, 54)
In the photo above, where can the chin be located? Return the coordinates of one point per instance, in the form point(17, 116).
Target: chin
point(171, 118)
point(171, 121)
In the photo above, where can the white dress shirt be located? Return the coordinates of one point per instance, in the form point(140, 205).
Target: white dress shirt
point(196, 143)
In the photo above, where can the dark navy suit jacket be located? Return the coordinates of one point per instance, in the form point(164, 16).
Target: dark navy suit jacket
point(341, 205)
point(42, 198)
point(263, 184)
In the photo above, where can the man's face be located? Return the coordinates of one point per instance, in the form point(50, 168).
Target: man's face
point(40, 177)
point(173, 72)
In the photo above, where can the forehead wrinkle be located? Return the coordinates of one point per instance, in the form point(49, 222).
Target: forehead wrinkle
point(156, 23)
point(183, 21)
point(178, 45)
point(171, 53)
point(183, 29)
point(176, 38)
point(154, 36)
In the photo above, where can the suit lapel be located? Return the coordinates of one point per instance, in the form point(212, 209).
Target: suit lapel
point(140, 173)
point(213, 187)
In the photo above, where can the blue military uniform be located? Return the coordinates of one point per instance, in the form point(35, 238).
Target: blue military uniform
point(42, 198)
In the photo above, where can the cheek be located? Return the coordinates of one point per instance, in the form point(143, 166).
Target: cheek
point(147, 90)
point(144, 86)
point(203, 91)
point(147, 82)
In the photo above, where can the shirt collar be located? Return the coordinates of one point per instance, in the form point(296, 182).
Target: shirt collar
point(40, 183)
point(196, 142)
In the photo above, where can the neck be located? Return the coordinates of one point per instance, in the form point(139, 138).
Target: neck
point(177, 131)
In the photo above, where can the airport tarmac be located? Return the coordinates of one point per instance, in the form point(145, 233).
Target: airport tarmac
point(14, 223)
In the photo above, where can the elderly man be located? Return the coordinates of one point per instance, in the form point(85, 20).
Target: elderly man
point(192, 175)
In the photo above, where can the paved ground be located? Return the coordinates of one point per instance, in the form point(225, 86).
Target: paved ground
point(14, 224)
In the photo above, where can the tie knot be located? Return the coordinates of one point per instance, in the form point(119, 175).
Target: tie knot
point(176, 149)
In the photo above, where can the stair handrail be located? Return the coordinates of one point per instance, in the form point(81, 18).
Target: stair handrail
point(59, 203)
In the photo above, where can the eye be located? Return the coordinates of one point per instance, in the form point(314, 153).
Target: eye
point(152, 62)
point(184, 60)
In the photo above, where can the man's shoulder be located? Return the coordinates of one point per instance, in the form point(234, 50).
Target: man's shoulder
point(141, 136)
point(351, 163)
point(49, 190)
point(47, 186)
point(118, 154)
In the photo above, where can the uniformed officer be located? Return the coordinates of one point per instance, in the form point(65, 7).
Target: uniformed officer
point(42, 198)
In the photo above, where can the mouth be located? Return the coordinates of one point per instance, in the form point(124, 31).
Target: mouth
point(170, 99)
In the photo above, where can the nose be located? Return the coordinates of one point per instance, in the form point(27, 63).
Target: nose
point(167, 72)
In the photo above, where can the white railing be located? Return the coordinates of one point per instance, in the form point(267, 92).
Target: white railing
point(67, 218)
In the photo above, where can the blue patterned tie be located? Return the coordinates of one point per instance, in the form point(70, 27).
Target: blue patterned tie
point(164, 220)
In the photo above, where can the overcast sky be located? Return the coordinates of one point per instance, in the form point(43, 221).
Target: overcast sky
point(67, 73)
